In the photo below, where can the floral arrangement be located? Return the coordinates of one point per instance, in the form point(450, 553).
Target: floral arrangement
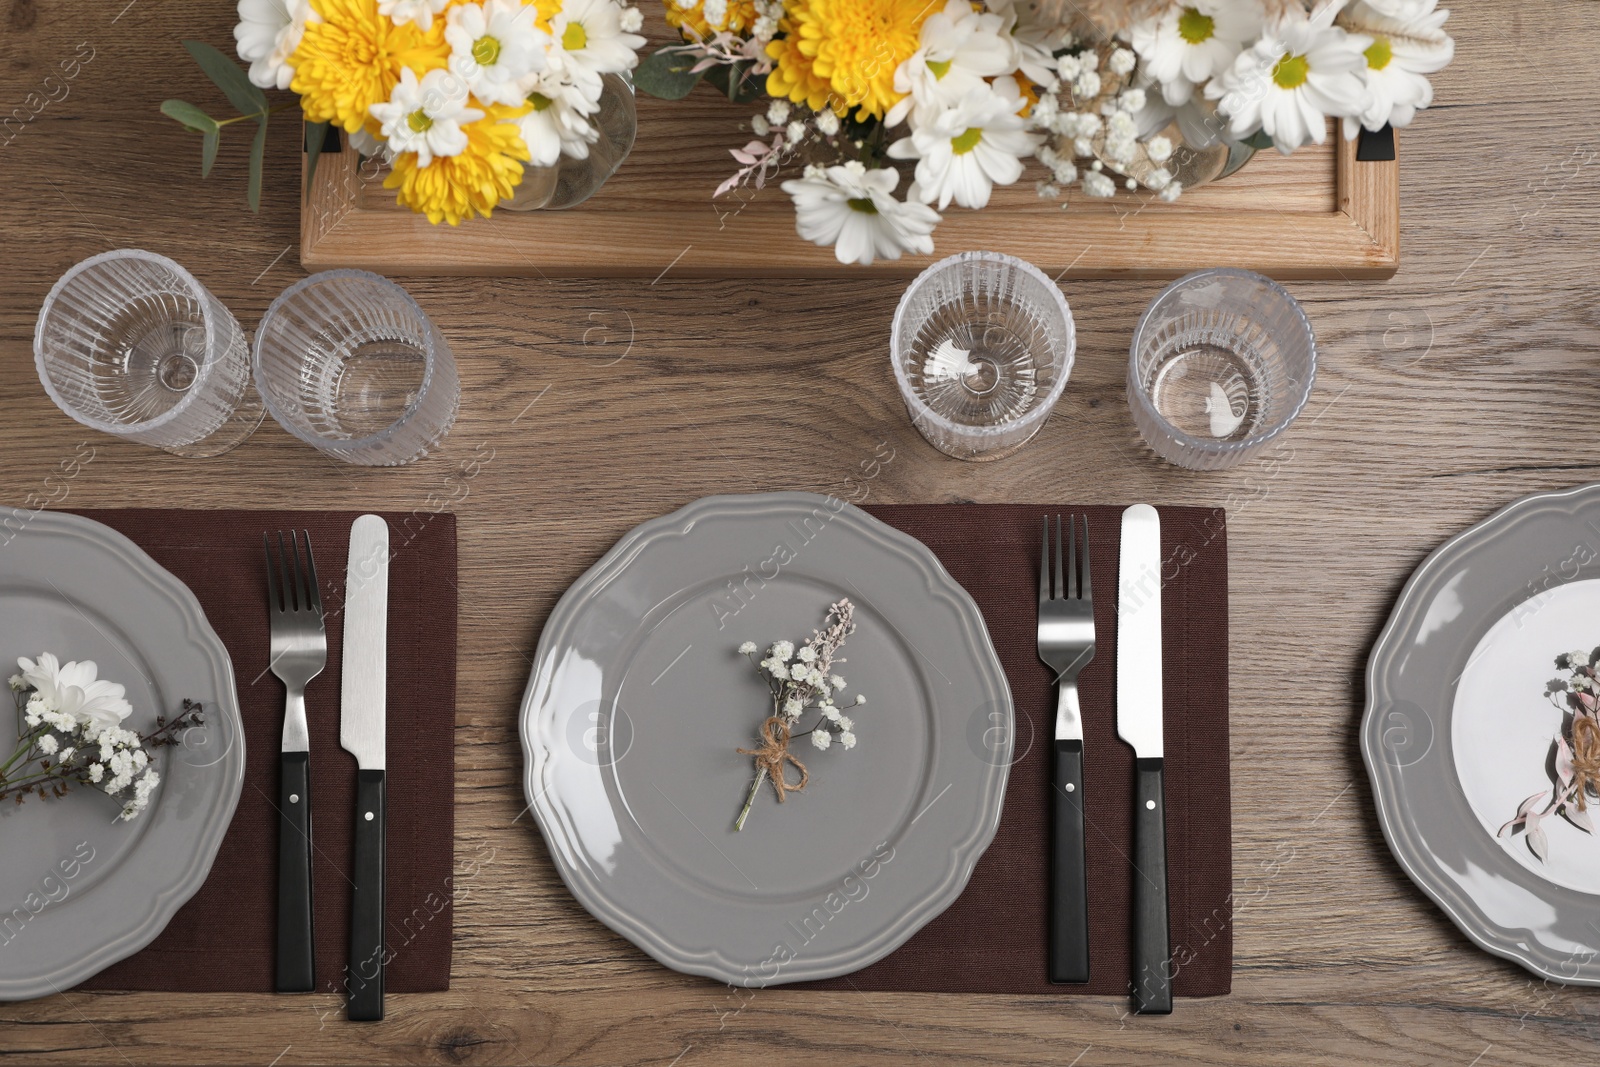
point(800, 679)
point(69, 732)
point(1100, 94)
point(1577, 755)
point(457, 97)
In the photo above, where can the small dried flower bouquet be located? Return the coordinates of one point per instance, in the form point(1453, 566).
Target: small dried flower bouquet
point(69, 732)
point(1577, 755)
point(800, 680)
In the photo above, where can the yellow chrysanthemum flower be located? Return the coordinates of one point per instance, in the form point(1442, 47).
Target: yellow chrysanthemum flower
point(792, 76)
point(452, 188)
point(740, 16)
point(352, 59)
point(855, 46)
point(548, 9)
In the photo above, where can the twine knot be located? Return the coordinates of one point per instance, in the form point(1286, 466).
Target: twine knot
point(1585, 757)
point(774, 753)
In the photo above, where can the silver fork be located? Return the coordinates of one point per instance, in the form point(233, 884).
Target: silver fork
point(299, 650)
point(1066, 645)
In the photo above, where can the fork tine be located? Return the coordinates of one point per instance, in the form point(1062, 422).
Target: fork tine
point(1063, 586)
point(283, 575)
point(1087, 592)
point(1044, 563)
point(311, 568)
point(302, 591)
point(274, 602)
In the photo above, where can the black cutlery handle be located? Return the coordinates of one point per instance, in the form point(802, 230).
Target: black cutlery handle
point(1069, 891)
point(1152, 955)
point(296, 971)
point(365, 977)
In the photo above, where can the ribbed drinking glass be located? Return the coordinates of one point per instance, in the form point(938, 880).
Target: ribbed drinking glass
point(348, 363)
point(982, 346)
point(128, 342)
point(1220, 365)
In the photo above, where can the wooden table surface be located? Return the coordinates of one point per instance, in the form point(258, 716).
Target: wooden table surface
point(1465, 382)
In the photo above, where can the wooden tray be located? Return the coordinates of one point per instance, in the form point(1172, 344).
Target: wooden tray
point(1317, 214)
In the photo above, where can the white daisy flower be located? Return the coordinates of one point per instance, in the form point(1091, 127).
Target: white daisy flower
point(1404, 10)
point(590, 40)
point(847, 739)
point(1190, 43)
point(267, 33)
point(74, 694)
point(966, 150)
point(854, 210)
point(821, 739)
point(958, 48)
point(1403, 52)
point(426, 116)
point(493, 46)
point(1036, 36)
point(419, 11)
point(1302, 71)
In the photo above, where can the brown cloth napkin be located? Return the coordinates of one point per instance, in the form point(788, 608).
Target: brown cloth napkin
point(223, 938)
point(992, 939)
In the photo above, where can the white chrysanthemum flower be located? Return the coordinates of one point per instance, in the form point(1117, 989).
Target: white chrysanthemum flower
point(74, 693)
point(48, 744)
point(821, 739)
point(426, 116)
point(854, 210)
point(966, 150)
point(958, 49)
point(747, 648)
point(847, 739)
point(1403, 52)
point(420, 12)
point(1190, 43)
point(267, 33)
point(590, 40)
point(493, 46)
point(1036, 36)
point(1302, 71)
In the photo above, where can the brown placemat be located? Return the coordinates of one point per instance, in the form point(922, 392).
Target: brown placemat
point(223, 938)
point(992, 939)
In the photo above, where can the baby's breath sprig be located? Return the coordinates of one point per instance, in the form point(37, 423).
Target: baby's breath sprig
point(801, 679)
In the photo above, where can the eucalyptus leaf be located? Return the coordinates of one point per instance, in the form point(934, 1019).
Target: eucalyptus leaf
point(189, 115)
point(208, 152)
point(258, 152)
point(316, 134)
point(229, 77)
point(1261, 140)
point(666, 74)
point(734, 84)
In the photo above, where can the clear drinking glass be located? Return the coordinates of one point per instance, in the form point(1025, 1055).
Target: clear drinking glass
point(348, 363)
point(129, 343)
point(1221, 363)
point(982, 347)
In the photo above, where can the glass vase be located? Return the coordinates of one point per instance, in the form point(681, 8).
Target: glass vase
point(569, 182)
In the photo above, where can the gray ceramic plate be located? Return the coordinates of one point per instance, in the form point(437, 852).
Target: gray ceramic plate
point(1428, 771)
point(638, 700)
point(78, 890)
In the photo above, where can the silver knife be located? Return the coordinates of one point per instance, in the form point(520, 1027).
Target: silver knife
point(1139, 723)
point(361, 733)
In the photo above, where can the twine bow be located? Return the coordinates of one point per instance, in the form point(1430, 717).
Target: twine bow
point(1585, 756)
point(772, 755)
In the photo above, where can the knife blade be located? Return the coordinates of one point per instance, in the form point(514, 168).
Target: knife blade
point(1140, 724)
point(361, 733)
